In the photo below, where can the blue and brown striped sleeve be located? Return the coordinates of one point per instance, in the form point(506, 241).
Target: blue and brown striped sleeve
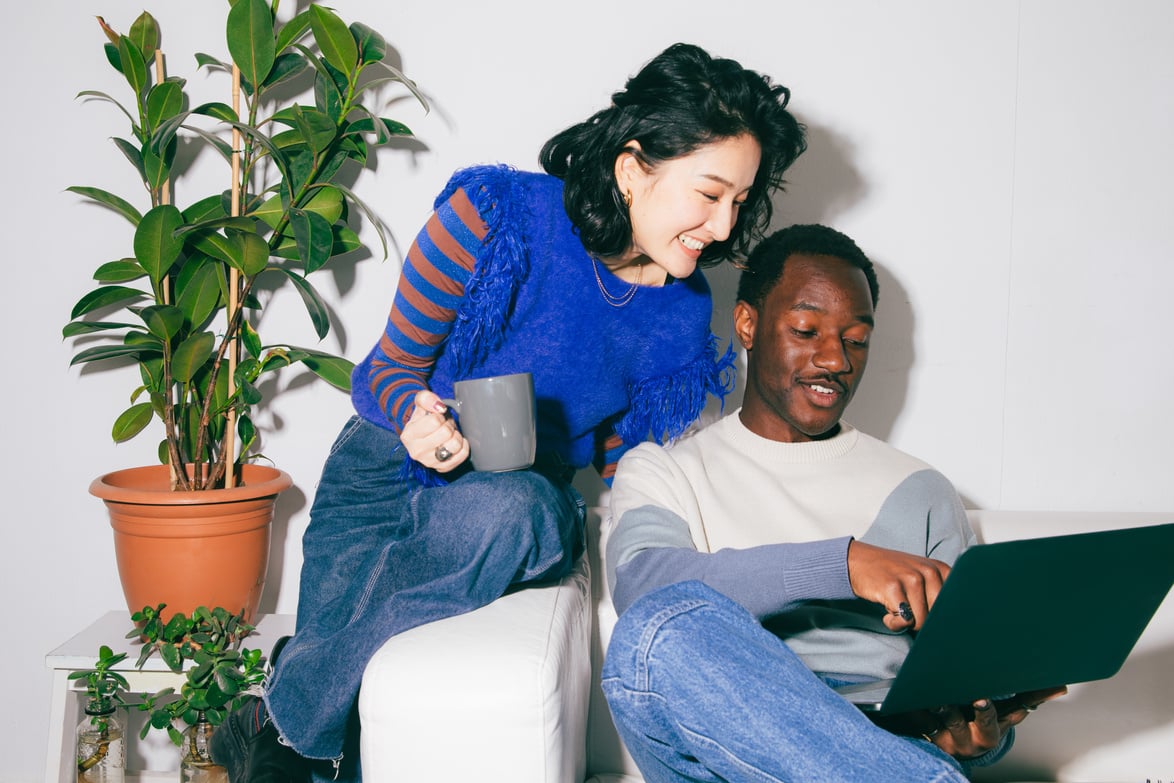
point(430, 289)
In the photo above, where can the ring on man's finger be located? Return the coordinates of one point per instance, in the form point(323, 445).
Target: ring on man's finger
point(442, 453)
point(929, 735)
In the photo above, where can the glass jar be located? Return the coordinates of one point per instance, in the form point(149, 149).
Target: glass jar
point(196, 765)
point(101, 744)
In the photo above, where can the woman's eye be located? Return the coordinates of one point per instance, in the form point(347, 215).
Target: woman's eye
point(709, 196)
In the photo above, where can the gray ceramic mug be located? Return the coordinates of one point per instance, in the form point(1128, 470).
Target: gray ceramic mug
point(497, 416)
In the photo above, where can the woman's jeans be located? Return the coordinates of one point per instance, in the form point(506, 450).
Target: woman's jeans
point(382, 555)
point(701, 692)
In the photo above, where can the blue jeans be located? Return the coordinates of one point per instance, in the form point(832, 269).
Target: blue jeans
point(701, 692)
point(382, 556)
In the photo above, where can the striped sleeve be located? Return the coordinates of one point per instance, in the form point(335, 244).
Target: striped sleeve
point(608, 453)
point(430, 289)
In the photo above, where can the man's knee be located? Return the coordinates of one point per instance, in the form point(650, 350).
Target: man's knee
point(670, 626)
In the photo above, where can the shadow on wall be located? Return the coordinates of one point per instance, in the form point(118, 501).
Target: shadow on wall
point(822, 185)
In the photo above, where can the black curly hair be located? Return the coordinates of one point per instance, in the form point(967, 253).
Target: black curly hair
point(764, 268)
point(681, 100)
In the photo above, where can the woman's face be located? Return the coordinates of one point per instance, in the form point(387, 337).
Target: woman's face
point(685, 204)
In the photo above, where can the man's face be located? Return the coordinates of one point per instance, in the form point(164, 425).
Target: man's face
point(806, 347)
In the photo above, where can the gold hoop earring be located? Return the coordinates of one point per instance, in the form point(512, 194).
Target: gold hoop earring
point(628, 199)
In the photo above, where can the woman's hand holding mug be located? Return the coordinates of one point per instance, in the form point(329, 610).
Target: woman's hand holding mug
point(431, 436)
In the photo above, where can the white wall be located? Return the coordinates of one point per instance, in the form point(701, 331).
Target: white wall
point(1006, 164)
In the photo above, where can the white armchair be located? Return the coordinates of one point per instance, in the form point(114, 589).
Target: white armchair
point(506, 694)
point(510, 693)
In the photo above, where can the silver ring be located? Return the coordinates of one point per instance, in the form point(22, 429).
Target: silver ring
point(442, 454)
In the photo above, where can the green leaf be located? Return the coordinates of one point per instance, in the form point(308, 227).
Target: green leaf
point(316, 308)
point(208, 61)
point(78, 328)
point(317, 128)
point(254, 254)
point(155, 243)
point(132, 421)
point(216, 110)
point(164, 101)
point(372, 46)
point(106, 296)
point(102, 352)
point(164, 134)
point(329, 88)
point(108, 199)
point(398, 76)
point(191, 355)
point(371, 216)
point(132, 154)
point(163, 321)
point(198, 293)
point(250, 338)
point(134, 67)
point(144, 31)
point(156, 171)
point(103, 96)
point(250, 39)
point(208, 208)
point(216, 245)
point(314, 238)
point(345, 240)
point(246, 432)
point(287, 66)
point(270, 212)
point(293, 30)
point(334, 39)
point(335, 370)
point(326, 201)
point(121, 271)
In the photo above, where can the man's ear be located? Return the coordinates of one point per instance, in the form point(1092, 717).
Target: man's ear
point(745, 323)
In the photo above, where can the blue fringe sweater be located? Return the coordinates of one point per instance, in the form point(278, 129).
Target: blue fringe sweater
point(533, 304)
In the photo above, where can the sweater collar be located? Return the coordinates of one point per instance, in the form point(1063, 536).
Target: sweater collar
point(764, 449)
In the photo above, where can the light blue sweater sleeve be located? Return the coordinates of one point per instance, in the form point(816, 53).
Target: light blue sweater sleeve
point(651, 547)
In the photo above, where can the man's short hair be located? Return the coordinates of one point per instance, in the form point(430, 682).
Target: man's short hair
point(764, 268)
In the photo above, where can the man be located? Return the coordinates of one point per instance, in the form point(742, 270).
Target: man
point(780, 552)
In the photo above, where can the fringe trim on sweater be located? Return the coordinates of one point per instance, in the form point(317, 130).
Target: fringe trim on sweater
point(664, 407)
point(502, 263)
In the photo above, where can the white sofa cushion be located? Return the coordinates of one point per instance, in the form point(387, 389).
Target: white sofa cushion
point(498, 695)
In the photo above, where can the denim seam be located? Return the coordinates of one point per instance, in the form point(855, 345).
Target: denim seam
point(368, 588)
point(733, 759)
point(651, 629)
point(352, 426)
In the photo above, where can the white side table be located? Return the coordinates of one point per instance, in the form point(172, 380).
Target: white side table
point(80, 653)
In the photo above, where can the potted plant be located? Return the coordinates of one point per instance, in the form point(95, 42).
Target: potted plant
point(101, 747)
point(219, 674)
point(185, 307)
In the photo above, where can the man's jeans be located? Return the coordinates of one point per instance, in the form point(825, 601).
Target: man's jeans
point(701, 692)
point(382, 555)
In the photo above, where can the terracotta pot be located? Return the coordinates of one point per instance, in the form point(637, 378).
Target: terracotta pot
point(188, 549)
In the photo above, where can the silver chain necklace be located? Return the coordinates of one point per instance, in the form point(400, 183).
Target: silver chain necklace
point(608, 296)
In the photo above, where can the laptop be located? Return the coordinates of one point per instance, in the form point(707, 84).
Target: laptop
point(1025, 615)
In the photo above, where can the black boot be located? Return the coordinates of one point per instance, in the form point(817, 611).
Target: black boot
point(248, 746)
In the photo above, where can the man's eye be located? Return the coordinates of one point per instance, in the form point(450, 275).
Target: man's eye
point(803, 332)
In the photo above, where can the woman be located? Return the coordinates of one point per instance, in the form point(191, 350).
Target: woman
point(587, 277)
